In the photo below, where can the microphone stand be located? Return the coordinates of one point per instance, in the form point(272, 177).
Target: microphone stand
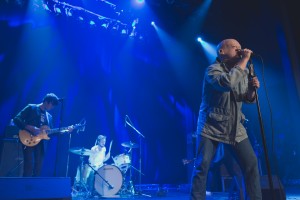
point(251, 75)
point(82, 122)
point(140, 152)
point(59, 126)
point(97, 173)
point(68, 158)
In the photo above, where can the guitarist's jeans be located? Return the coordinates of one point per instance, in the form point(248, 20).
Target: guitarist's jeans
point(33, 159)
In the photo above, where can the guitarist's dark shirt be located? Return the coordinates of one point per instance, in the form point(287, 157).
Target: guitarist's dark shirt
point(32, 115)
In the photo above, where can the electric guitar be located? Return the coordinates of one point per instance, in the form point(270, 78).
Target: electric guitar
point(30, 140)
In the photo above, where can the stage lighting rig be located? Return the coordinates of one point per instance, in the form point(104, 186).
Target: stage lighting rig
point(105, 16)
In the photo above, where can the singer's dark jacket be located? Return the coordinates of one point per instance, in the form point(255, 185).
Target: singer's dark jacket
point(224, 91)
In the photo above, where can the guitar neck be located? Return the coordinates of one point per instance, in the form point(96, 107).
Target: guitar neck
point(55, 130)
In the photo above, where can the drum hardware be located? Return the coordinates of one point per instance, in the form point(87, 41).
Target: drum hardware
point(96, 173)
point(141, 136)
point(130, 166)
point(80, 186)
point(122, 161)
point(130, 145)
point(80, 151)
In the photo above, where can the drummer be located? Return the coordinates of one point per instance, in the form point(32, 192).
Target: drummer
point(96, 159)
point(97, 156)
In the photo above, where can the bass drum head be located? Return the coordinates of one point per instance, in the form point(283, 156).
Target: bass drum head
point(111, 176)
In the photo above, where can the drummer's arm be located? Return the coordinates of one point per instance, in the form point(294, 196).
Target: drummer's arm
point(107, 156)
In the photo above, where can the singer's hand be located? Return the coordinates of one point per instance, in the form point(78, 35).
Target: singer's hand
point(254, 82)
point(253, 85)
point(245, 53)
point(244, 56)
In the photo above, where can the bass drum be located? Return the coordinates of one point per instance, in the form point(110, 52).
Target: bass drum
point(108, 180)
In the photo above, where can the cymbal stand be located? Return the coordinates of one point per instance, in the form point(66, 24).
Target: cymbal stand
point(128, 184)
point(131, 187)
point(81, 185)
point(140, 151)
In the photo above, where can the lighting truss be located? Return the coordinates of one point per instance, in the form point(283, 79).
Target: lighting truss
point(67, 9)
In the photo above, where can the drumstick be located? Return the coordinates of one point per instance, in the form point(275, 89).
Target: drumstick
point(110, 145)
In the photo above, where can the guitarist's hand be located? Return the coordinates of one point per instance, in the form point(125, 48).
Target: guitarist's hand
point(33, 129)
point(70, 128)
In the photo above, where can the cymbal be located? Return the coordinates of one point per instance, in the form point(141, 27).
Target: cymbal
point(80, 151)
point(130, 145)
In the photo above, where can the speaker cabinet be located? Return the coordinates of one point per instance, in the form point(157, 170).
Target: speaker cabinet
point(16, 188)
point(11, 162)
point(279, 192)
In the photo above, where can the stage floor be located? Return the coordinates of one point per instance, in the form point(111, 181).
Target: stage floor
point(292, 193)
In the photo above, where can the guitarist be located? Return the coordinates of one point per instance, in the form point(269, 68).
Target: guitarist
point(32, 118)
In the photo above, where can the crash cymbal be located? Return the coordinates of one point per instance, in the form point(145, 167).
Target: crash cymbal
point(80, 151)
point(130, 145)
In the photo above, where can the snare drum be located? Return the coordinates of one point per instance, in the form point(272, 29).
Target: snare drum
point(110, 182)
point(122, 161)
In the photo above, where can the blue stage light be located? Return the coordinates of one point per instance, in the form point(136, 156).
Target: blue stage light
point(199, 39)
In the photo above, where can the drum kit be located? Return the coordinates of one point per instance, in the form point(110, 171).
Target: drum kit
point(109, 180)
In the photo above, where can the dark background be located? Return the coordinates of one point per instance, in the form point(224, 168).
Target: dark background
point(104, 76)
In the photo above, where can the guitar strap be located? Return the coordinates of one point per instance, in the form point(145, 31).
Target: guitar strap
point(48, 119)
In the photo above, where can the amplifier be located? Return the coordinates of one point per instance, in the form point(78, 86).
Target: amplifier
point(11, 132)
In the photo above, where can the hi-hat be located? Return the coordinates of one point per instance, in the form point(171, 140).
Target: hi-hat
point(80, 151)
point(130, 145)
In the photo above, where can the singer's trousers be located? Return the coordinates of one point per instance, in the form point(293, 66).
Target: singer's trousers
point(246, 158)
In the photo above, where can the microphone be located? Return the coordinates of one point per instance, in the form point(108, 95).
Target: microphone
point(252, 54)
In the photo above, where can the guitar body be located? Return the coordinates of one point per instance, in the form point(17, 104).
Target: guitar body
point(31, 140)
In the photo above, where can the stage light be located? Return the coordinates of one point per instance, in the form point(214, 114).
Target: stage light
point(56, 9)
point(68, 12)
point(45, 6)
point(199, 39)
point(208, 49)
point(153, 23)
point(104, 25)
point(140, 1)
point(115, 27)
point(92, 23)
point(137, 3)
point(124, 31)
